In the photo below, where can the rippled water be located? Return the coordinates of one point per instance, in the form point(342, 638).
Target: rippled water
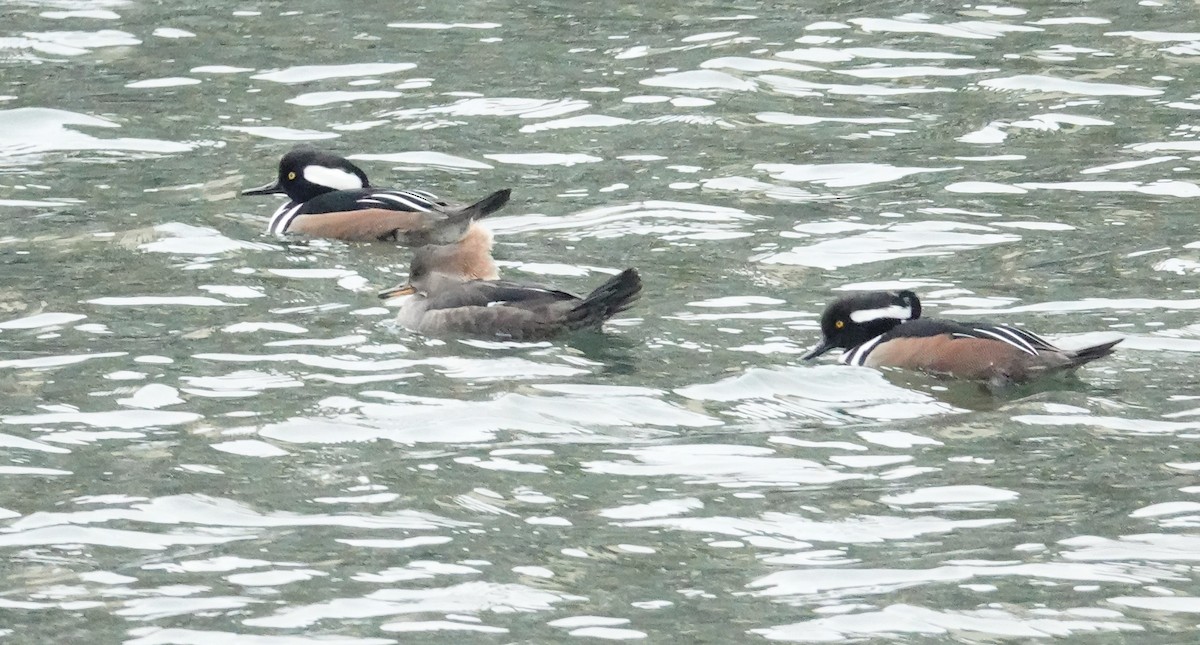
point(213, 436)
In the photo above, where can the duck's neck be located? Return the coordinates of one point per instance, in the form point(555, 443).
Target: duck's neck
point(470, 257)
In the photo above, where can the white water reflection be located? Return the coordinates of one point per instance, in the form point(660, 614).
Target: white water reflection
point(182, 636)
point(146, 301)
point(282, 133)
point(782, 118)
point(241, 383)
point(35, 131)
point(701, 80)
point(1107, 423)
point(187, 239)
point(114, 538)
point(525, 108)
point(309, 73)
point(951, 498)
point(42, 320)
point(825, 584)
point(638, 218)
point(916, 24)
point(722, 465)
point(830, 394)
point(790, 86)
point(910, 71)
point(755, 64)
point(842, 175)
point(426, 159)
point(582, 121)
point(891, 242)
point(997, 131)
point(1084, 304)
point(1150, 547)
point(313, 99)
point(794, 535)
point(158, 608)
point(1187, 605)
point(503, 368)
point(94, 14)
point(543, 159)
point(468, 597)
point(411, 420)
point(443, 25)
point(202, 510)
point(171, 81)
point(1037, 83)
point(69, 43)
point(902, 619)
point(123, 419)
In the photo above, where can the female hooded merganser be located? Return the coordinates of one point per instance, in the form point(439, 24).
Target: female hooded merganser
point(880, 329)
point(446, 301)
point(330, 197)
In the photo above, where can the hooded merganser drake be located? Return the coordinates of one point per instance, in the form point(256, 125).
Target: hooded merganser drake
point(447, 301)
point(881, 329)
point(328, 196)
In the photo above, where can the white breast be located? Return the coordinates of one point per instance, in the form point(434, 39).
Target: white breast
point(411, 311)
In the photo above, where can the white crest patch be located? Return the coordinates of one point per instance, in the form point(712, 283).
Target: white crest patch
point(334, 178)
point(867, 315)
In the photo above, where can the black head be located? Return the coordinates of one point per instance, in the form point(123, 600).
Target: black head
point(307, 172)
point(853, 320)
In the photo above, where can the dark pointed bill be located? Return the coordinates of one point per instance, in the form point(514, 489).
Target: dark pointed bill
point(823, 347)
point(270, 189)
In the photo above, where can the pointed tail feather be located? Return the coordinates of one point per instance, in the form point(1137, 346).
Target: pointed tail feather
point(1088, 354)
point(479, 209)
point(449, 225)
point(607, 300)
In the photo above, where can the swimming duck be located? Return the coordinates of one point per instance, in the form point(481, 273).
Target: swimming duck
point(445, 301)
point(882, 329)
point(328, 196)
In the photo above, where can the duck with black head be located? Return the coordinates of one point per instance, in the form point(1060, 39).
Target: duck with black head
point(330, 197)
point(883, 329)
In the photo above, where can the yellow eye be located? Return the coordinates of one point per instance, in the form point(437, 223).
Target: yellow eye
point(291, 176)
point(839, 324)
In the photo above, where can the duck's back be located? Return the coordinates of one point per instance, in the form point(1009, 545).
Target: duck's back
point(501, 321)
point(488, 308)
point(501, 309)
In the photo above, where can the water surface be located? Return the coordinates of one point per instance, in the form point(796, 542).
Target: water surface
point(210, 435)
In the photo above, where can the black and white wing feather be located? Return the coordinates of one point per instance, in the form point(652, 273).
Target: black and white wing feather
point(1026, 341)
point(400, 200)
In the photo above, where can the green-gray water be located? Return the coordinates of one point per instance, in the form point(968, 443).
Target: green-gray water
point(214, 436)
